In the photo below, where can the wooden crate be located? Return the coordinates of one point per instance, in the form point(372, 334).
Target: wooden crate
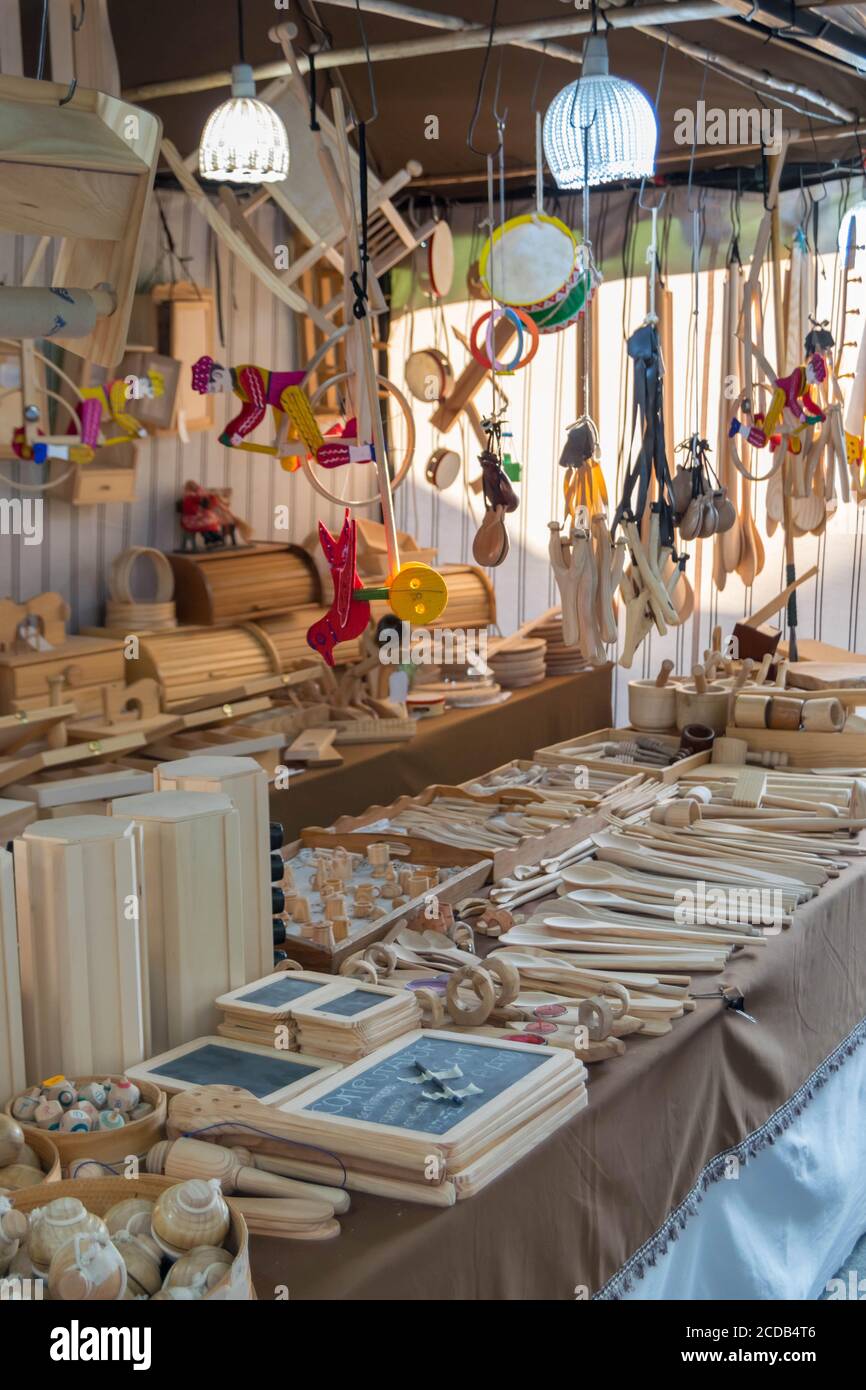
point(245, 783)
point(83, 962)
point(192, 915)
point(355, 832)
point(555, 755)
point(13, 1075)
point(237, 583)
point(466, 878)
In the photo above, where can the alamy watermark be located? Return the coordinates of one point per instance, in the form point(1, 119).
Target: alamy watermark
point(703, 905)
point(421, 646)
point(22, 516)
point(739, 125)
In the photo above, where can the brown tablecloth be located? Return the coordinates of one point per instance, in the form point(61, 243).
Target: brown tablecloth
point(461, 743)
point(574, 1211)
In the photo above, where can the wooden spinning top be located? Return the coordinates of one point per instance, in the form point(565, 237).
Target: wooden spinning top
point(189, 1214)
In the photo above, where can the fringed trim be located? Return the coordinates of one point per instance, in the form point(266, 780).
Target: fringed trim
point(647, 1255)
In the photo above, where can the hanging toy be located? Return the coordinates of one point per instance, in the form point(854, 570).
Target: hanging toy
point(112, 399)
point(701, 504)
point(258, 388)
point(791, 393)
point(487, 358)
point(348, 615)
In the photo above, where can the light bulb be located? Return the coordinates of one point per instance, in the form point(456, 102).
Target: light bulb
point(244, 140)
point(612, 117)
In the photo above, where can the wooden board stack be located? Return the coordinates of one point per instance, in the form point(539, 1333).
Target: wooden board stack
point(560, 660)
point(310, 1012)
point(432, 1117)
point(269, 1074)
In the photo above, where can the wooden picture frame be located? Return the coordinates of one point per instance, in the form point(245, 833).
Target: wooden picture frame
point(304, 1072)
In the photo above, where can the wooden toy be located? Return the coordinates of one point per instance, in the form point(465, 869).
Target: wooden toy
point(88, 1267)
point(244, 782)
point(141, 1260)
point(123, 610)
point(34, 649)
point(192, 924)
point(190, 1214)
point(83, 959)
point(203, 1266)
point(132, 1215)
point(100, 1194)
point(268, 1072)
point(57, 1224)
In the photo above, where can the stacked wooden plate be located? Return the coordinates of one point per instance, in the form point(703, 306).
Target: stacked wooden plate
point(560, 660)
point(435, 1116)
point(521, 663)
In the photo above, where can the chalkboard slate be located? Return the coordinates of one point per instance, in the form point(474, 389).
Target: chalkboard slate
point(278, 992)
point(213, 1065)
point(357, 1001)
point(383, 1094)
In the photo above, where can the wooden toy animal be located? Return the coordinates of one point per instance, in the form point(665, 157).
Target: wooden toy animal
point(347, 617)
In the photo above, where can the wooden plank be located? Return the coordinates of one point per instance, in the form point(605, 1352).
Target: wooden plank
point(60, 39)
point(11, 57)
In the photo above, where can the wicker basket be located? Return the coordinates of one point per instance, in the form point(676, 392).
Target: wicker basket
point(98, 1194)
point(107, 1146)
point(46, 1151)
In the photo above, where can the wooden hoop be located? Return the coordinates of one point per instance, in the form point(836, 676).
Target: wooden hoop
point(121, 572)
point(406, 463)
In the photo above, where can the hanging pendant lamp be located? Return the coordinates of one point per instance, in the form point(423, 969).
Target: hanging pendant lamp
point(244, 140)
point(606, 119)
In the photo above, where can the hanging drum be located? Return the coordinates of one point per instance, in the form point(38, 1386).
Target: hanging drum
point(436, 269)
point(531, 262)
point(429, 375)
point(443, 468)
point(563, 310)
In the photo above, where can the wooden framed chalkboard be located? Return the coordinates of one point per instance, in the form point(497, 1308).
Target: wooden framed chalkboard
point(346, 1000)
point(269, 1074)
point(275, 994)
point(401, 1088)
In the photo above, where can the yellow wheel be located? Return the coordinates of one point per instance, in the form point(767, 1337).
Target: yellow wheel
point(418, 594)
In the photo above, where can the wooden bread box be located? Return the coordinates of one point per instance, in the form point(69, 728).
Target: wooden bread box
point(237, 583)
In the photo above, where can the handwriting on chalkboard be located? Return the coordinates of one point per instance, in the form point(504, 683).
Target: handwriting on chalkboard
point(379, 1094)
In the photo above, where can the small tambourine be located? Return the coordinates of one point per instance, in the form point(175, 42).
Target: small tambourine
point(443, 468)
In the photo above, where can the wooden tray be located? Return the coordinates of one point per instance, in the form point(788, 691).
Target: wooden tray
point(465, 880)
point(554, 755)
point(806, 749)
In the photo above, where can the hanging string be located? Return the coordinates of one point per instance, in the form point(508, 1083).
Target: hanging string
point(374, 104)
point(470, 138)
point(43, 42)
point(241, 50)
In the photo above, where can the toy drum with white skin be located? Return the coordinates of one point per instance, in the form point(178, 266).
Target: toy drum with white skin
point(429, 375)
point(436, 262)
point(530, 262)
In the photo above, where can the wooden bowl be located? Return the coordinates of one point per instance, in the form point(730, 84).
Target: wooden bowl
point(46, 1151)
point(652, 708)
point(107, 1146)
point(99, 1194)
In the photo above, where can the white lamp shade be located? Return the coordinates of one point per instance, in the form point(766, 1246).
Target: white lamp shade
point(612, 118)
point(244, 140)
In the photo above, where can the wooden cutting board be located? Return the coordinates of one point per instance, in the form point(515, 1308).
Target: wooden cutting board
point(831, 675)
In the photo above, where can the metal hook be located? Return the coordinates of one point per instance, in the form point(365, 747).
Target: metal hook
point(76, 24)
point(70, 94)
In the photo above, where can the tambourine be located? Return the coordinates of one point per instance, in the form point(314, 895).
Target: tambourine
point(443, 468)
point(440, 261)
point(429, 375)
point(487, 358)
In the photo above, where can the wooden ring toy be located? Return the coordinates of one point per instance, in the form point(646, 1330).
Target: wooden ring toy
point(385, 388)
point(481, 982)
point(382, 957)
point(506, 980)
point(121, 569)
point(462, 935)
point(357, 967)
point(431, 1006)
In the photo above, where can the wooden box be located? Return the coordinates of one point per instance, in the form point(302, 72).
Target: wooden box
point(85, 663)
point(806, 749)
point(568, 751)
point(109, 478)
point(13, 1074)
point(55, 790)
point(469, 873)
point(192, 914)
point(83, 970)
point(246, 784)
point(237, 583)
point(181, 325)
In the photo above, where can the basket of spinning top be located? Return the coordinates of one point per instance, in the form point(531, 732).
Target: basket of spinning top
point(108, 1147)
